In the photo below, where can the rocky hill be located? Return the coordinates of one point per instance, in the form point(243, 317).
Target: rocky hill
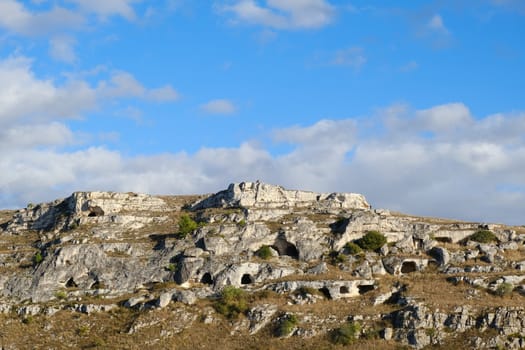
point(255, 266)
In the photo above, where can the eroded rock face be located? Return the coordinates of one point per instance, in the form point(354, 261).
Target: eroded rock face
point(260, 238)
point(260, 195)
point(87, 208)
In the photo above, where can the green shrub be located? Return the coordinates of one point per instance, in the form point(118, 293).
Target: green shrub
point(483, 236)
point(264, 252)
point(504, 289)
point(287, 325)
point(347, 333)
point(171, 267)
point(28, 319)
point(353, 248)
point(242, 223)
point(232, 302)
point(373, 240)
point(37, 258)
point(61, 294)
point(337, 258)
point(186, 225)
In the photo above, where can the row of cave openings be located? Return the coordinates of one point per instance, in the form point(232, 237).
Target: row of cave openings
point(245, 279)
point(281, 245)
point(72, 284)
point(248, 279)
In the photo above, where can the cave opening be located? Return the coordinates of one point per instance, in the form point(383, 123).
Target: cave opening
point(408, 266)
point(247, 279)
point(326, 292)
point(71, 283)
point(206, 278)
point(285, 248)
point(365, 288)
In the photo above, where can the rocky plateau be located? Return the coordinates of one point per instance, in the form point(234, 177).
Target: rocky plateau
point(255, 266)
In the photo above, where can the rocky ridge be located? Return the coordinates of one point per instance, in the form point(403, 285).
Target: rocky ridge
point(98, 253)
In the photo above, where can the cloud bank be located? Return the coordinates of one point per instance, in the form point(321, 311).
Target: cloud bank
point(440, 161)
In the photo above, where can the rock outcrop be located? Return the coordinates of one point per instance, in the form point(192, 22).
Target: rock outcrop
point(127, 250)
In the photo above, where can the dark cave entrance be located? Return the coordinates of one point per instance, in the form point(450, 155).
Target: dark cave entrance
point(71, 283)
point(365, 288)
point(95, 211)
point(408, 266)
point(285, 248)
point(206, 278)
point(247, 279)
point(326, 292)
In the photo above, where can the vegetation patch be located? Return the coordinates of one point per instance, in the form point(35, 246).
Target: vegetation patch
point(264, 252)
point(353, 249)
point(504, 289)
point(232, 302)
point(483, 236)
point(337, 258)
point(347, 333)
point(186, 226)
point(372, 241)
point(37, 258)
point(61, 294)
point(287, 325)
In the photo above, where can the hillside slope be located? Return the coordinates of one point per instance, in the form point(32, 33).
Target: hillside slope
point(254, 266)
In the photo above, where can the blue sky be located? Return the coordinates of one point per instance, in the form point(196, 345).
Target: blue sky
point(417, 105)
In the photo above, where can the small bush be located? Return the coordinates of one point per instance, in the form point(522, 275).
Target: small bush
point(37, 258)
point(83, 330)
point(61, 294)
point(287, 325)
point(242, 223)
point(504, 289)
point(232, 302)
point(337, 258)
point(171, 267)
point(373, 240)
point(28, 319)
point(186, 225)
point(347, 333)
point(264, 252)
point(483, 236)
point(353, 248)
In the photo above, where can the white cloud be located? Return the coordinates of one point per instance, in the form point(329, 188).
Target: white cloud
point(18, 19)
point(105, 8)
point(436, 24)
point(470, 168)
point(27, 99)
point(353, 57)
point(165, 93)
point(445, 117)
point(62, 49)
point(219, 106)
point(283, 14)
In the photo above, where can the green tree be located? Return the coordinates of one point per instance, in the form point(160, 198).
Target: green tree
point(373, 240)
point(186, 225)
point(483, 236)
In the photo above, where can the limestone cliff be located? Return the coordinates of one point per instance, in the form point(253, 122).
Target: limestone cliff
point(98, 252)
